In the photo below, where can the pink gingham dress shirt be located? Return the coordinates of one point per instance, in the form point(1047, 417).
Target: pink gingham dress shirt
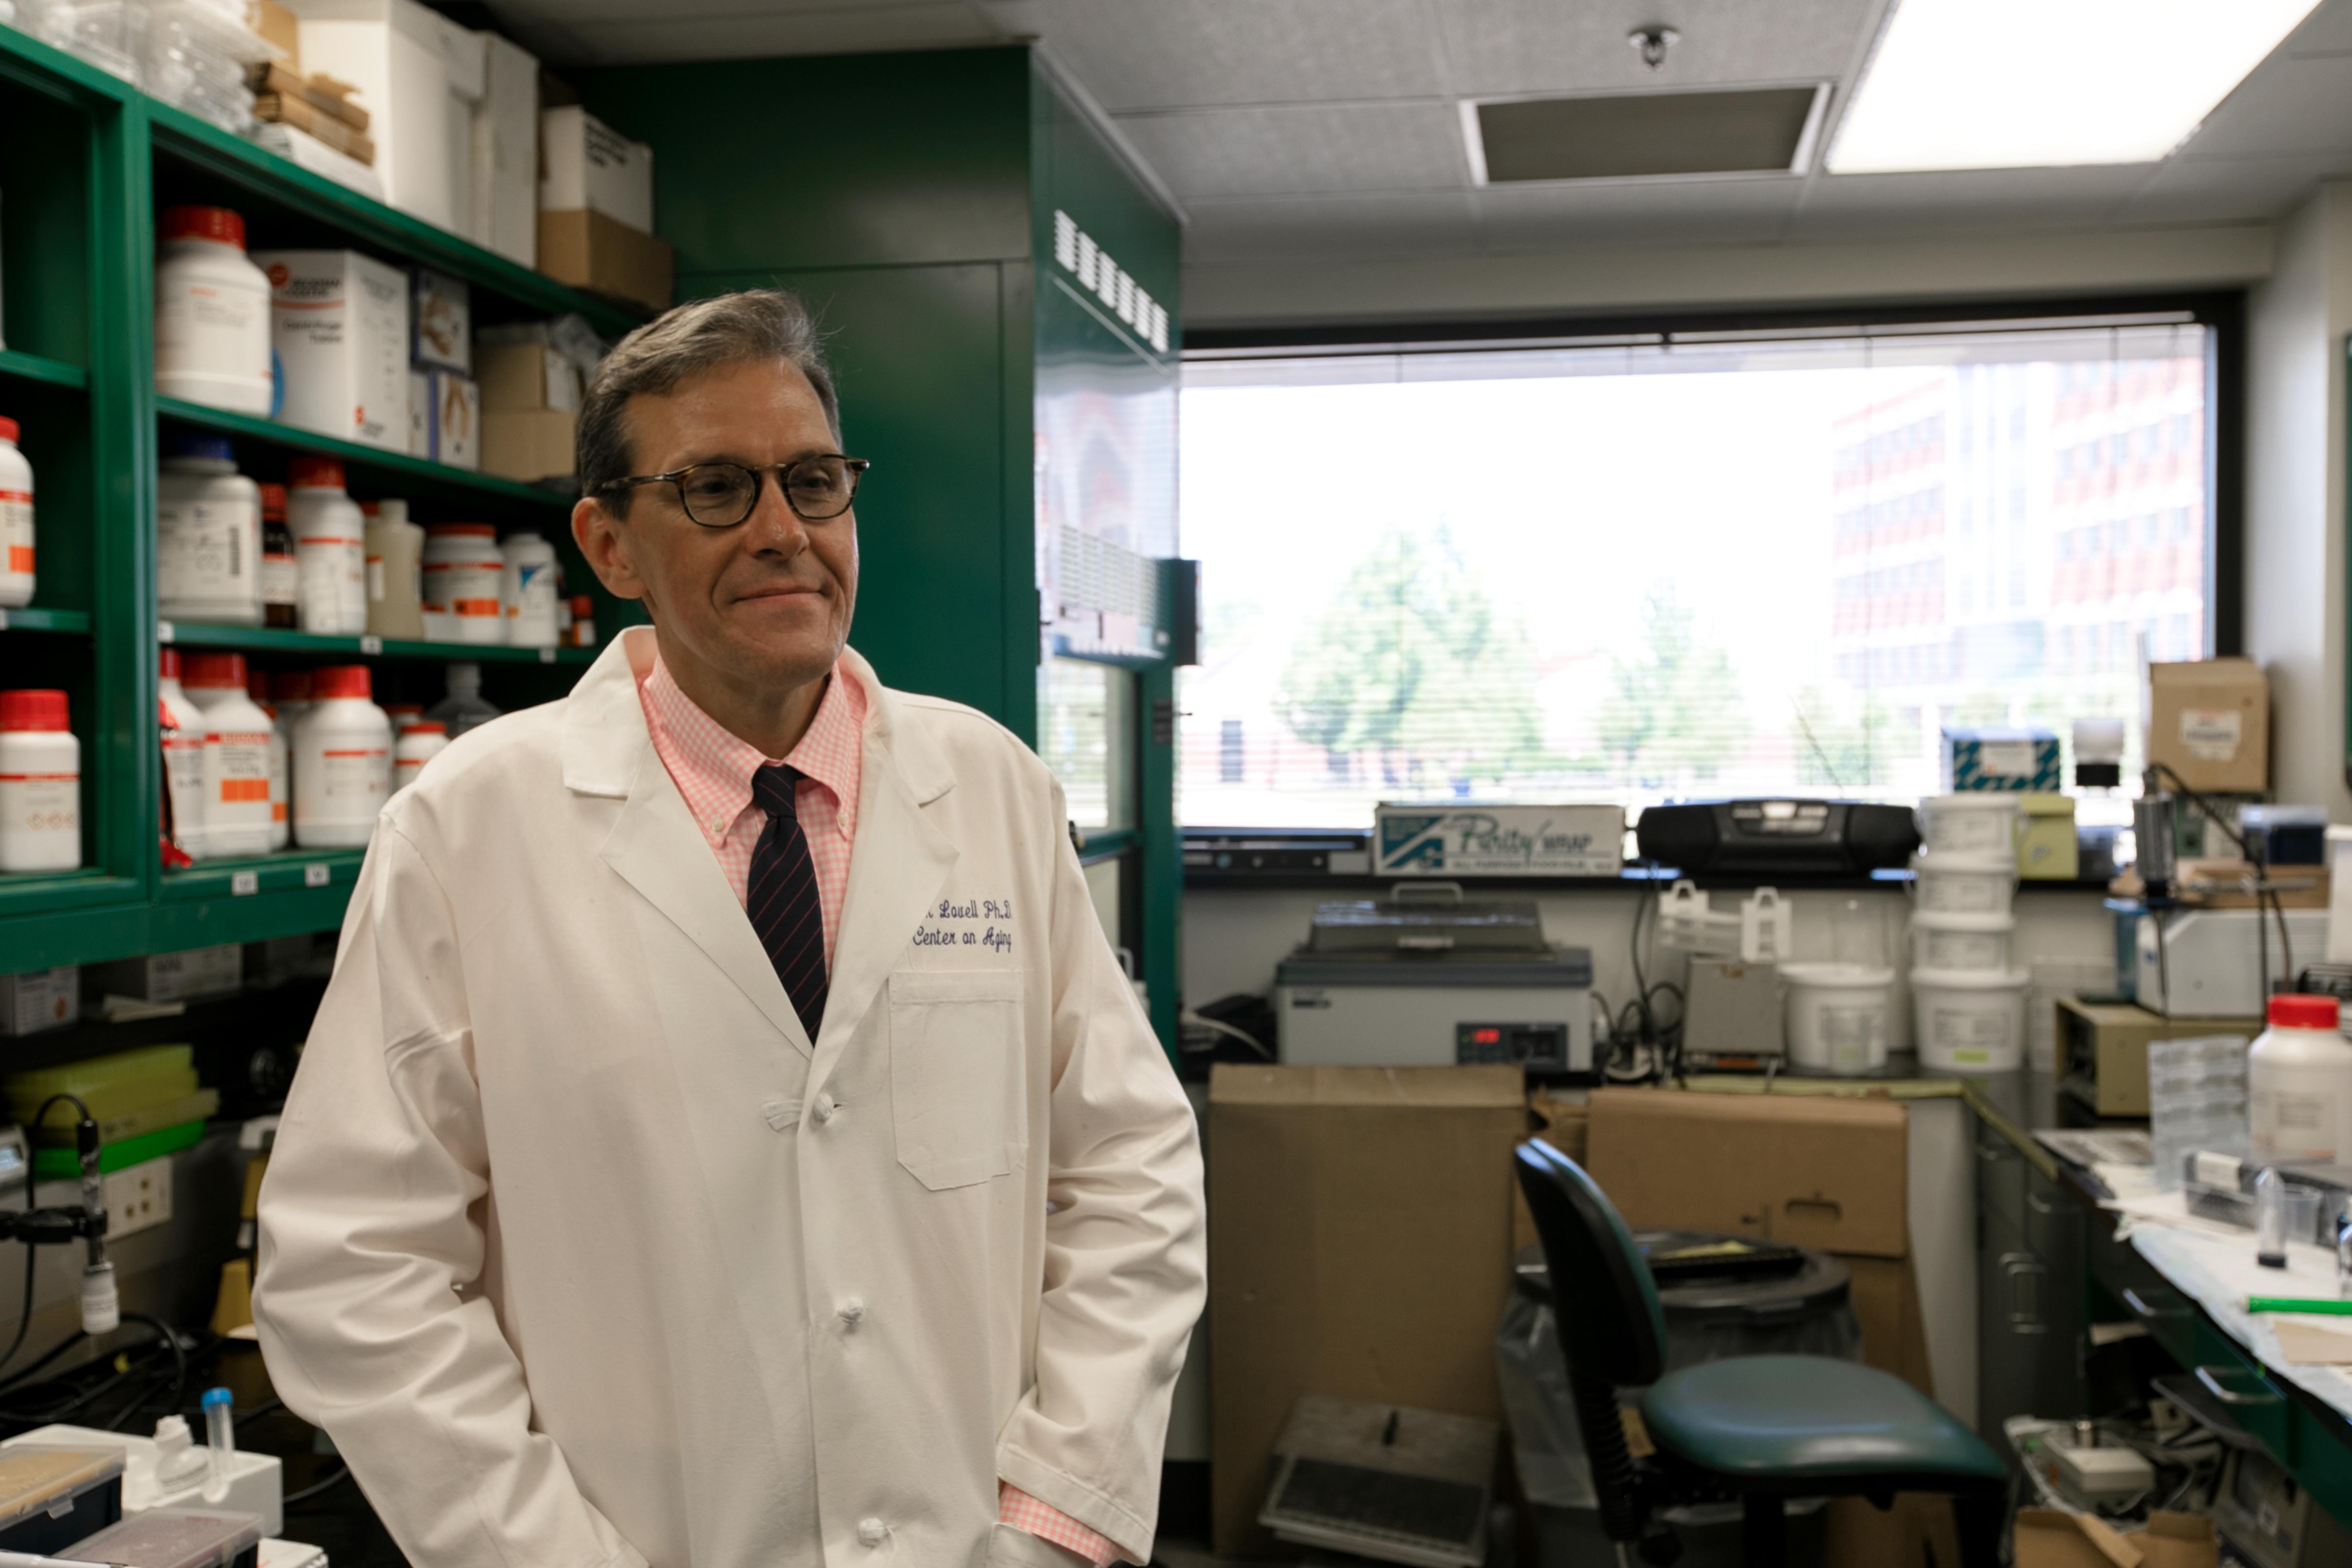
point(712, 768)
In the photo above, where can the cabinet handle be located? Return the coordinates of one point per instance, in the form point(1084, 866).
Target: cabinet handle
point(2132, 1299)
point(2211, 1376)
point(2026, 1274)
point(2037, 1206)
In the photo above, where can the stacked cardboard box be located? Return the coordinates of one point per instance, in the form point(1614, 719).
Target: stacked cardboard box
point(318, 107)
point(530, 402)
point(596, 210)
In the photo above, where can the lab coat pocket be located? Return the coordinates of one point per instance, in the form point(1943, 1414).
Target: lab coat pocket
point(955, 1072)
point(1010, 1546)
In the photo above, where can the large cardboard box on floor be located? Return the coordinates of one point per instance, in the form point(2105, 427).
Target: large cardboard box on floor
point(2210, 722)
point(1359, 1245)
point(1812, 1171)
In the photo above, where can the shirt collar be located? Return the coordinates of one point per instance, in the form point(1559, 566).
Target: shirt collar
point(714, 765)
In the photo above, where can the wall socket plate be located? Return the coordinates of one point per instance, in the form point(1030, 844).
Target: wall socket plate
point(138, 1197)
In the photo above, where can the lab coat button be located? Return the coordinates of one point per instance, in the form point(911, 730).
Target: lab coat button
point(852, 1310)
point(871, 1533)
point(825, 1107)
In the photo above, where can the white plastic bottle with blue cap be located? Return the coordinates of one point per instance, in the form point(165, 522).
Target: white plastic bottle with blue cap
point(207, 534)
point(220, 1441)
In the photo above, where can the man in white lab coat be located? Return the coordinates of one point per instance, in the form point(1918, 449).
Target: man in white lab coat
point(728, 1140)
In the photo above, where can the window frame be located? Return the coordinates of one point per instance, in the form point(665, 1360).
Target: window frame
point(2221, 313)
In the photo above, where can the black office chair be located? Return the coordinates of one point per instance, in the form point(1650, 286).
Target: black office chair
point(1761, 1428)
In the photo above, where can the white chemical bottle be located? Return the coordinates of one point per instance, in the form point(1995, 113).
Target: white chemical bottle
point(463, 574)
point(330, 547)
point(183, 757)
point(40, 784)
point(212, 313)
point(342, 761)
point(15, 521)
point(421, 740)
point(237, 756)
point(463, 709)
point(2299, 1085)
point(527, 589)
point(281, 769)
point(207, 534)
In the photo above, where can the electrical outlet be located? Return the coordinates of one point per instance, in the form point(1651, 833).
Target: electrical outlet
point(138, 1199)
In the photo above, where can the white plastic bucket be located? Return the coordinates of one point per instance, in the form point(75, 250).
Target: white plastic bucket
point(1970, 1020)
point(1979, 821)
point(1838, 1016)
point(1971, 941)
point(1953, 884)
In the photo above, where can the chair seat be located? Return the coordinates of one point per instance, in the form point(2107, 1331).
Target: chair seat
point(1769, 1418)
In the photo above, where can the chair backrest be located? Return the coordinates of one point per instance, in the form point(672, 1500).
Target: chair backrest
point(1609, 1324)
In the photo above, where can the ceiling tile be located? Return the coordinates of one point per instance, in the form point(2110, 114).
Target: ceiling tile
point(1563, 217)
point(717, 29)
point(1327, 228)
point(2328, 30)
point(1160, 53)
point(1546, 46)
point(1840, 207)
point(1329, 149)
point(2286, 105)
point(2229, 190)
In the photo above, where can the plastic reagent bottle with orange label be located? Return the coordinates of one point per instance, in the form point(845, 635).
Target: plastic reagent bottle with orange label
point(330, 549)
point(183, 728)
point(40, 784)
point(236, 755)
point(15, 521)
point(463, 572)
point(342, 761)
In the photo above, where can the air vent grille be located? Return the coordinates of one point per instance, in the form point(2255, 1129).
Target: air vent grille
point(1631, 135)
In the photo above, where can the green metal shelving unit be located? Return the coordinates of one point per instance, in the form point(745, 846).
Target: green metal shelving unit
point(87, 162)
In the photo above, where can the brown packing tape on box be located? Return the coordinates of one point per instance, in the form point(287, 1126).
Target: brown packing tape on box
point(1359, 1248)
point(589, 250)
point(529, 445)
point(299, 113)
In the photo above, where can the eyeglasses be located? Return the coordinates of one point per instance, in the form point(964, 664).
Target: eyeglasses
point(721, 495)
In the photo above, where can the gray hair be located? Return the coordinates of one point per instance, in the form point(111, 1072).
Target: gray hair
point(700, 335)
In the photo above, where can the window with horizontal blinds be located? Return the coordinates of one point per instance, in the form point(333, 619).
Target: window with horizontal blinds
point(1662, 566)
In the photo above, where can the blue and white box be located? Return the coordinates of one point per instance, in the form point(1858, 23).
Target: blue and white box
point(1455, 839)
point(2015, 760)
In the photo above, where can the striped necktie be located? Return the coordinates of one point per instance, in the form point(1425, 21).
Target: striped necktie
point(781, 897)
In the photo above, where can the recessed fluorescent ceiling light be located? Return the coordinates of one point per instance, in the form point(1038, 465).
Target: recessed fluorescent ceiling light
point(2019, 84)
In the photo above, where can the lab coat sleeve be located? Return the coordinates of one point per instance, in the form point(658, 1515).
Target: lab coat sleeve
point(371, 1241)
point(1125, 1245)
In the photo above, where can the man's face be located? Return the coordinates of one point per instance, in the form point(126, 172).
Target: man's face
point(763, 605)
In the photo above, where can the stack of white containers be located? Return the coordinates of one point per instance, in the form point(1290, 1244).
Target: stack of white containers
point(1967, 990)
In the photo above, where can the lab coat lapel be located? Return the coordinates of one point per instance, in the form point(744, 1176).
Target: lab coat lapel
point(901, 860)
point(654, 844)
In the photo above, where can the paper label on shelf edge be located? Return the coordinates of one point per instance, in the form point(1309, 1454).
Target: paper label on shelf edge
point(371, 645)
point(163, 631)
point(2212, 734)
point(241, 882)
point(315, 875)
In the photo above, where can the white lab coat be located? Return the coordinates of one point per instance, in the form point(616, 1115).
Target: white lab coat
point(583, 1256)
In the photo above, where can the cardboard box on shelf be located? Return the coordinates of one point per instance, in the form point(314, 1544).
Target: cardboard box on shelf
point(2210, 722)
point(441, 318)
point(419, 75)
point(586, 162)
point(39, 999)
point(588, 250)
point(529, 445)
point(454, 419)
point(323, 93)
point(339, 321)
point(187, 975)
point(1359, 1248)
point(274, 24)
point(526, 376)
point(506, 153)
point(300, 113)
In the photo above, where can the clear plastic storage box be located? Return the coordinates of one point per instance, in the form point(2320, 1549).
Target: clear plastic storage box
point(175, 1538)
point(52, 1497)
